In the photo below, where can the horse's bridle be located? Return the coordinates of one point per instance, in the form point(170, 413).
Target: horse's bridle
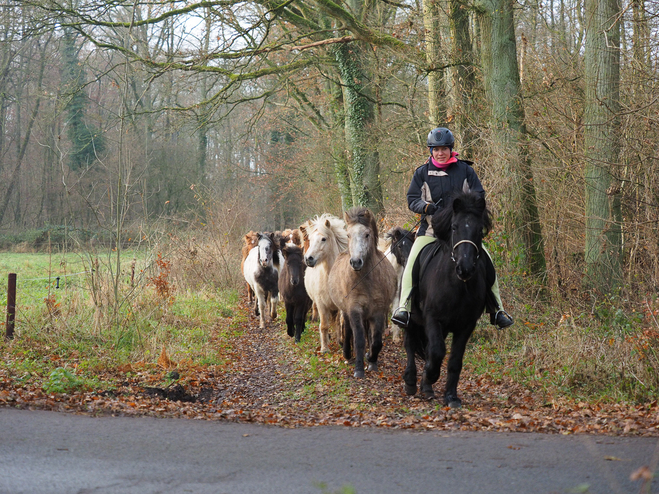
point(478, 251)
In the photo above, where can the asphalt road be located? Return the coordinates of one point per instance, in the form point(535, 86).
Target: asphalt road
point(49, 452)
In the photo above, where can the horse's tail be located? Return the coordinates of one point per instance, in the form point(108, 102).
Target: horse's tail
point(418, 340)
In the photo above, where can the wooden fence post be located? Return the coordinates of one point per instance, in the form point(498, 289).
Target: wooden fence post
point(11, 304)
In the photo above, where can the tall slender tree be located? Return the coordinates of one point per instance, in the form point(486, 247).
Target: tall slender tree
point(503, 89)
point(603, 247)
point(86, 140)
point(432, 15)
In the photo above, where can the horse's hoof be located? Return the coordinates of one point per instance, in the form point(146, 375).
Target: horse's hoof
point(359, 374)
point(453, 401)
point(429, 395)
point(372, 366)
point(410, 390)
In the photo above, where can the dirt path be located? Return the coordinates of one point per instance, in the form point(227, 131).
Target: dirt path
point(269, 379)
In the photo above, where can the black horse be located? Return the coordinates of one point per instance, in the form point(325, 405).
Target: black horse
point(292, 289)
point(453, 287)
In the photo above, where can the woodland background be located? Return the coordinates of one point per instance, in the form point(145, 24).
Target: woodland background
point(134, 123)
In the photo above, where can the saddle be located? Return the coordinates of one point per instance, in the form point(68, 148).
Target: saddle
point(422, 260)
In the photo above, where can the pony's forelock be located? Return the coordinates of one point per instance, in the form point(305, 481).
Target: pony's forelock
point(363, 216)
point(336, 229)
point(470, 203)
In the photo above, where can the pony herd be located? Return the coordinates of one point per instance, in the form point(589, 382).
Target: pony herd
point(352, 278)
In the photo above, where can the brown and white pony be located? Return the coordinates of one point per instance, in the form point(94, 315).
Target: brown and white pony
point(396, 245)
point(292, 237)
point(261, 270)
point(304, 243)
point(250, 240)
point(327, 239)
point(362, 284)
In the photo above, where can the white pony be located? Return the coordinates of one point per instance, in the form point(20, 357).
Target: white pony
point(261, 271)
point(327, 239)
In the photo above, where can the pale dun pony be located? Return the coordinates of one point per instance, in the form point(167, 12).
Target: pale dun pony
point(327, 239)
point(362, 284)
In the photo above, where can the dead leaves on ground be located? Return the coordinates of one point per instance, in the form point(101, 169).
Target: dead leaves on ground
point(267, 380)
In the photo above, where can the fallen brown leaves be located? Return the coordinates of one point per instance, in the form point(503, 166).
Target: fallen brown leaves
point(270, 380)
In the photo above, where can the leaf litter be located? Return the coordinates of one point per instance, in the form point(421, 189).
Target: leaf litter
point(268, 379)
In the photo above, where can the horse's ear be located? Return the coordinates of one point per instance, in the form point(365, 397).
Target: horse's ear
point(345, 216)
point(259, 235)
point(282, 243)
point(465, 187)
point(328, 224)
point(303, 232)
point(480, 204)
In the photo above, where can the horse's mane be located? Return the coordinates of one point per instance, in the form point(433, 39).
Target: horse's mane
point(363, 216)
point(398, 231)
point(335, 229)
point(291, 250)
point(467, 202)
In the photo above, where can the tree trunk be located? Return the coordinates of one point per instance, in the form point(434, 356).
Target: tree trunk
point(22, 148)
point(602, 147)
point(461, 90)
point(433, 36)
point(499, 52)
point(363, 163)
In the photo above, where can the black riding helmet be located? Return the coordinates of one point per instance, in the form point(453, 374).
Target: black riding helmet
point(440, 136)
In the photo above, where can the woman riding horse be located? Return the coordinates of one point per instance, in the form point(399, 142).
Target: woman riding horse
point(432, 185)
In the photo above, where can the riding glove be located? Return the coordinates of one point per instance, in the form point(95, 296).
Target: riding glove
point(430, 209)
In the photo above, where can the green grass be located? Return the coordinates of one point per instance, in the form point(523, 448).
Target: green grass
point(87, 324)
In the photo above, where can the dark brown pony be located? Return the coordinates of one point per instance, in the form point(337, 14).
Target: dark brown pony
point(292, 290)
point(362, 285)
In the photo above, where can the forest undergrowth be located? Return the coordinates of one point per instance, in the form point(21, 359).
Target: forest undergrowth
point(174, 349)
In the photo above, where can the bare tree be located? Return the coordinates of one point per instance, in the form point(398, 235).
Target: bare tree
point(602, 144)
point(502, 86)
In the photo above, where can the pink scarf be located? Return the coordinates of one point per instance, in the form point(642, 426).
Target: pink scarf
point(444, 166)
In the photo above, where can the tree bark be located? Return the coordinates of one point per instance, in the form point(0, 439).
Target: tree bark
point(363, 162)
point(433, 38)
point(602, 147)
point(463, 83)
point(501, 74)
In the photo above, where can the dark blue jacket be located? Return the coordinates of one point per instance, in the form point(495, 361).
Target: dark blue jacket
point(432, 185)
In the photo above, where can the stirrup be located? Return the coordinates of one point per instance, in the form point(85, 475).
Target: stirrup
point(401, 318)
point(501, 319)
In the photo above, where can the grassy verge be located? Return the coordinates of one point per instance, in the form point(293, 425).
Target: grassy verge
point(76, 325)
point(72, 333)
